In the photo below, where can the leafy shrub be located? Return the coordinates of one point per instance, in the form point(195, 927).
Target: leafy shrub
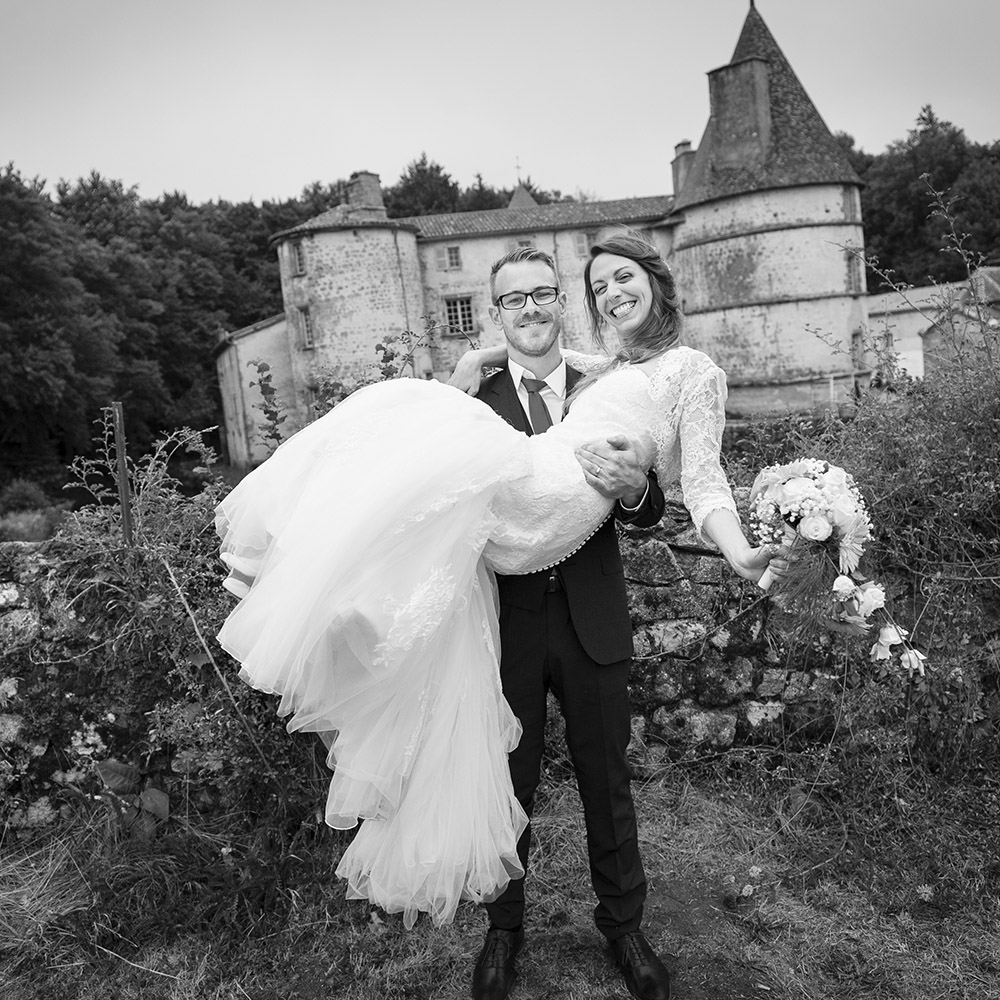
point(926, 454)
point(22, 495)
point(31, 525)
point(127, 643)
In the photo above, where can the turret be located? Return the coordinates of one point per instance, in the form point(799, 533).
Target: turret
point(767, 204)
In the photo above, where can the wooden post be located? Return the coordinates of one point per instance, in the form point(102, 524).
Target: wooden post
point(122, 473)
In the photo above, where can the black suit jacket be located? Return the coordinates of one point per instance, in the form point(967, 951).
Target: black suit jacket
point(593, 577)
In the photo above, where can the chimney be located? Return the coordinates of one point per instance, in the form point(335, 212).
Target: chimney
point(364, 197)
point(681, 164)
point(740, 101)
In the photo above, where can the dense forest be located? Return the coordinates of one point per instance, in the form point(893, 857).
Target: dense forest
point(105, 295)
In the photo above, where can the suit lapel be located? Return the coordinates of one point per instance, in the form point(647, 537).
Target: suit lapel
point(502, 397)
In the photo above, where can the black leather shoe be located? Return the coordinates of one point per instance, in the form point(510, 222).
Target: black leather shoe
point(493, 976)
point(644, 974)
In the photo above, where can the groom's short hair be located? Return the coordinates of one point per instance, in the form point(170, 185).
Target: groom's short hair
point(518, 256)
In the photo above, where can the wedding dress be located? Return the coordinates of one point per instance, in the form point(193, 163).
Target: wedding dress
point(370, 538)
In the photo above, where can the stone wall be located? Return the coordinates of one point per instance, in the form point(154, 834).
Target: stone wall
point(704, 673)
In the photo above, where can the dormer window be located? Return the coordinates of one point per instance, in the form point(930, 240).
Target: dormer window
point(584, 241)
point(448, 258)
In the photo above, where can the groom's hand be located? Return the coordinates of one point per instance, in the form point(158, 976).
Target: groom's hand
point(612, 468)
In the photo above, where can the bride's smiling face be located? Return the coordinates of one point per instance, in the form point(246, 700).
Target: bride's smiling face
point(622, 292)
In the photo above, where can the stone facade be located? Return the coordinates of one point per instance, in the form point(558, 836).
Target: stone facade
point(237, 377)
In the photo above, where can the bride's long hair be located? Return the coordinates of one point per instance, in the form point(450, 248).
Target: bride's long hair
point(661, 329)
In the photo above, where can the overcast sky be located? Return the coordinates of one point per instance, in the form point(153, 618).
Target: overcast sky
point(254, 99)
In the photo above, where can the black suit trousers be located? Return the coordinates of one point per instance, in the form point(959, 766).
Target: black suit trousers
point(540, 652)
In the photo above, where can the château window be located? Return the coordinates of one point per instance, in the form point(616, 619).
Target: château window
point(298, 258)
point(855, 275)
point(448, 258)
point(521, 241)
point(858, 349)
point(584, 241)
point(458, 314)
point(307, 330)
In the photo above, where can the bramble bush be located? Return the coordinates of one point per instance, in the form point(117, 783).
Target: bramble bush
point(926, 454)
point(129, 645)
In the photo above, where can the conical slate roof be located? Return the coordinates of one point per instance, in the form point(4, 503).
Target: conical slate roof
point(522, 198)
point(801, 149)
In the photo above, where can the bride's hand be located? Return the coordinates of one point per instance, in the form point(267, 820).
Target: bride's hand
point(468, 373)
point(750, 562)
point(764, 565)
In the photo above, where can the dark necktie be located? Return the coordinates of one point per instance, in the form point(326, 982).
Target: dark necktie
point(538, 412)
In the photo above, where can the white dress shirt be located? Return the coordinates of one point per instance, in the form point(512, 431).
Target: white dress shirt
point(553, 395)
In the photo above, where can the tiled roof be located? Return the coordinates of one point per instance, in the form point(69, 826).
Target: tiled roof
point(802, 150)
point(341, 217)
point(561, 215)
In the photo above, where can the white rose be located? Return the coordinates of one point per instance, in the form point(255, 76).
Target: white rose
point(834, 477)
point(843, 510)
point(843, 587)
point(797, 489)
point(871, 598)
point(815, 528)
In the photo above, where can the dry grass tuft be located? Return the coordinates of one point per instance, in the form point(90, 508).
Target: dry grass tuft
point(38, 889)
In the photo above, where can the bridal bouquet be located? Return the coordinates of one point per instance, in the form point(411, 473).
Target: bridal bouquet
point(816, 509)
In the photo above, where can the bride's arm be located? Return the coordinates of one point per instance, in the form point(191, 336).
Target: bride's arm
point(706, 489)
point(585, 363)
point(468, 372)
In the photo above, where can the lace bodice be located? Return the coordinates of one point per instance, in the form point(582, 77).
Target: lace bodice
point(674, 413)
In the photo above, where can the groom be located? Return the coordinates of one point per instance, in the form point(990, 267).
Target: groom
point(568, 631)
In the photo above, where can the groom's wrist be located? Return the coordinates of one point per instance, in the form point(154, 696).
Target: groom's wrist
point(630, 503)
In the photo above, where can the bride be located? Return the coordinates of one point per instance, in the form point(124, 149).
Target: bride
point(363, 551)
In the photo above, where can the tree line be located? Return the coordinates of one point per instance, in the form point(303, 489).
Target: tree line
point(105, 295)
point(901, 228)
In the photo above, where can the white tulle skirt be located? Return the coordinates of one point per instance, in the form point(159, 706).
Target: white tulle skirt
point(372, 616)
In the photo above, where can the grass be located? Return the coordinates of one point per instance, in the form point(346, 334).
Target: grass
point(812, 874)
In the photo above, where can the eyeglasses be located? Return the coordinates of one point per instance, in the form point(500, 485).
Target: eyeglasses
point(540, 296)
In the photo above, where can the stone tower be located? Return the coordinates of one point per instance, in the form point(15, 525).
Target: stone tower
point(349, 278)
point(768, 201)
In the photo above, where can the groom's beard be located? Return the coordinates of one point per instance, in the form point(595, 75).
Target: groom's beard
point(535, 341)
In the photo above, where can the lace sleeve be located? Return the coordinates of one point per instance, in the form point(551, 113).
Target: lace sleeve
point(585, 363)
point(700, 416)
